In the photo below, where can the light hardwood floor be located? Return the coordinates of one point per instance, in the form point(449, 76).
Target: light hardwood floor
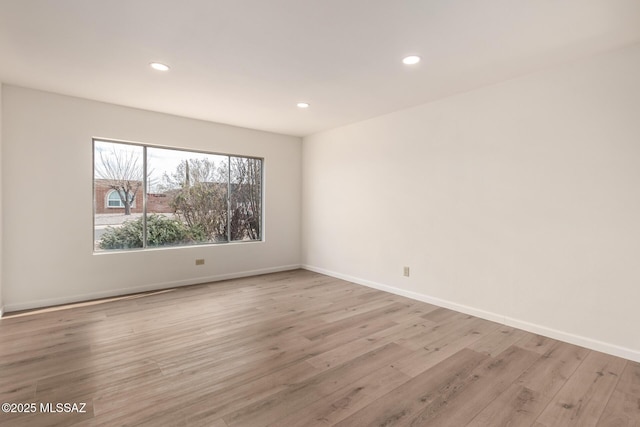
point(300, 349)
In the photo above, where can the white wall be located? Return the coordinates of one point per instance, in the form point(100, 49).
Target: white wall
point(1, 210)
point(48, 201)
point(519, 202)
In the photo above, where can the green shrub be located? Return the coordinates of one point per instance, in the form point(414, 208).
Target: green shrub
point(160, 231)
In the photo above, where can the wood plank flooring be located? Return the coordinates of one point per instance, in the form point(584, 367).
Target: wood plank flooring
point(299, 349)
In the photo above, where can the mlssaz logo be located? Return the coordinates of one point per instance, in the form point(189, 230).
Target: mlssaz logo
point(50, 407)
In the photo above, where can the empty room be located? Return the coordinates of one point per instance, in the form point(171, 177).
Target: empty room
point(320, 213)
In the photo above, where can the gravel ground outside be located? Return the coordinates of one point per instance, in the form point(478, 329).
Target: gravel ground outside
point(117, 219)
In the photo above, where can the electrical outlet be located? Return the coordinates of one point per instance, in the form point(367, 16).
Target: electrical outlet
point(406, 272)
point(200, 261)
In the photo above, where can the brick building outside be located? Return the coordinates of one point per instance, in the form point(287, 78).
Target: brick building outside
point(107, 200)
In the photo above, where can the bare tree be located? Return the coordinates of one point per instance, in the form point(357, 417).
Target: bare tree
point(199, 188)
point(121, 170)
point(201, 199)
point(246, 177)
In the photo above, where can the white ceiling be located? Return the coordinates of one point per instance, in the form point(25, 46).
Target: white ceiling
point(248, 62)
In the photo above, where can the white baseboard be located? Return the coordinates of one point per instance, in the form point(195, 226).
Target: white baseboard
point(1, 310)
point(568, 337)
point(582, 341)
point(145, 288)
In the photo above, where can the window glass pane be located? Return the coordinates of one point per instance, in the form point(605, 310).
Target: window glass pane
point(114, 199)
point(118, 184)
point(187, 197)
point(245, 198)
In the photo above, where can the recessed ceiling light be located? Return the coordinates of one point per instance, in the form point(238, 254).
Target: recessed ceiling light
point(302, 105)
point(411, 60)
point(158, 66)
